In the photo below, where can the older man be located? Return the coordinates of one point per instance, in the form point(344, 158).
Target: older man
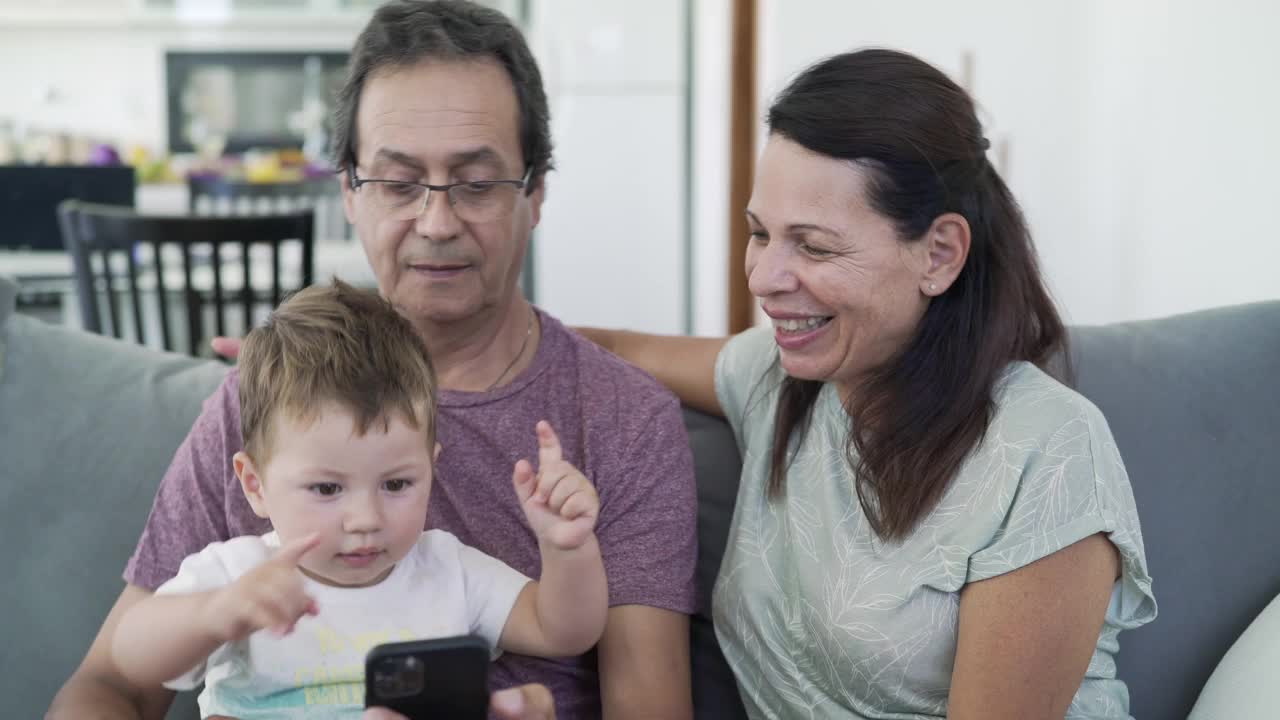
point(441, 136)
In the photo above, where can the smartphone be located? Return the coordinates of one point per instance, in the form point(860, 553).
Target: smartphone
point(430, 679)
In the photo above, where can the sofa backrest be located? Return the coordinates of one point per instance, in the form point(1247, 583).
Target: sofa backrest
point(87, 427)
point(1194, 404)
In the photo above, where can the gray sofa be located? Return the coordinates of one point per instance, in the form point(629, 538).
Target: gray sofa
point(87, 426)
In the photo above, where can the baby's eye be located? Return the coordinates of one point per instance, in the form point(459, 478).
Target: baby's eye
point(397, 485)
point(325, 489)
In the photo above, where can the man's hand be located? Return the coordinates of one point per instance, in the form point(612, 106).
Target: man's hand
point(559, 502)
point(271, 595)
point(527, 702)
point(227, 347)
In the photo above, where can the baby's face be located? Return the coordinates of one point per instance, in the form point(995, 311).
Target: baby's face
point(366, 496)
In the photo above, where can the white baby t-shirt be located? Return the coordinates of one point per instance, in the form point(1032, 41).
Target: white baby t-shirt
point(441, 588)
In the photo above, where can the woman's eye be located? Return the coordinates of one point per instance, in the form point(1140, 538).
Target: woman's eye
point(397, 485)
point(326, 489)
point(759, 236)
point(814, 251)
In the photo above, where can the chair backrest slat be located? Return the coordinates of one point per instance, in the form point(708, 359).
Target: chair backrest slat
point(139, 332)
point(246, 284)
point(191, 302)
point(113, 304)
point(219, 316)
point(275, 275)
point(86, 293)
point(308, 263)
point(162, 295)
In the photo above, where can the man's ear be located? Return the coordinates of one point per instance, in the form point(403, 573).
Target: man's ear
point(535, 201)
point(250, 483)
point(348, 194)
point(948, 240)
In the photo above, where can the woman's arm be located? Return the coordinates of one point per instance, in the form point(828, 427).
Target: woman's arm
point(1026, 637)
point(686, 365)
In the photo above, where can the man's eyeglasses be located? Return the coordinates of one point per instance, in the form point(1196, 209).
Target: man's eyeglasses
point(477, 201)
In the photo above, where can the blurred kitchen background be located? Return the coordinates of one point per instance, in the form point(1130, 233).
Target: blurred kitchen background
point(1140, 136)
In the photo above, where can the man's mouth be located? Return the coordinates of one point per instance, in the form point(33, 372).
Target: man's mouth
point(439, 268)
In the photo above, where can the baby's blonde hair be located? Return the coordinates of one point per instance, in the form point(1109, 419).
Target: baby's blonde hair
point(334, 344)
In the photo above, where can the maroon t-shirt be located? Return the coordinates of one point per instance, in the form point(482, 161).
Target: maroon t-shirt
point(616, 424)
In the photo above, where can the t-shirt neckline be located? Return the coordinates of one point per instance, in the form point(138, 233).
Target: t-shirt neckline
point(552, 335)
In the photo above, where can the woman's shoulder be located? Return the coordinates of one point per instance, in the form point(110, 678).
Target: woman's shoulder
point(747, 354)
point(747, 375)
point(1042, 429)
point(1032, 403)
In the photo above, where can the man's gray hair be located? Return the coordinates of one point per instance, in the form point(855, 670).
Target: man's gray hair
point(403, 33)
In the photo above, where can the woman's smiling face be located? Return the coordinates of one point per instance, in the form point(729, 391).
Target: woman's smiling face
point(842, 289)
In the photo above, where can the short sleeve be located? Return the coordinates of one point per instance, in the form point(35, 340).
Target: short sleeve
point(216, 566)
point(491, 588)
point(191, 505)
point(747, 372)
point(1072, 484)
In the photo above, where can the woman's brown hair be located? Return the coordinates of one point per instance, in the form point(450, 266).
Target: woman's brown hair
point(915, 419)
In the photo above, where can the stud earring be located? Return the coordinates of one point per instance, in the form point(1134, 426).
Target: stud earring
point(933, 287)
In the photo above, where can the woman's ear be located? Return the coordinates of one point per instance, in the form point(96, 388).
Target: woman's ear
point(250, 483)
point(948, 241)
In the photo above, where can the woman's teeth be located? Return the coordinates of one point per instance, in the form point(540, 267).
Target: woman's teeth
point(799, 324)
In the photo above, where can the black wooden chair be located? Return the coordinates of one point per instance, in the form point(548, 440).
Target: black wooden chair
point(116, 251)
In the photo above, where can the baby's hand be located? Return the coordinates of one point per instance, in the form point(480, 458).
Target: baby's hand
point(271, 595)
point(559, 501)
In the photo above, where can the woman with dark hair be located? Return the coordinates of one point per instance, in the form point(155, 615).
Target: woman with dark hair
point(929, 524)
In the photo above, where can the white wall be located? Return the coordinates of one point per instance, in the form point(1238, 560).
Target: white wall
point(712, 27)
point(611, 246)
point(1141, 133)
point(1188, 134)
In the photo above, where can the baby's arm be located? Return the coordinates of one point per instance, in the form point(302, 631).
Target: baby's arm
point(164, 636)
point(564, 612)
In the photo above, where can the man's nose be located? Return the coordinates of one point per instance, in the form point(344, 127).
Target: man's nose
point(436, 218)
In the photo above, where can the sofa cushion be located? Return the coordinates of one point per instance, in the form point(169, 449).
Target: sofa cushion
point(87, 427)
point(1244, 684)
point(717, 467)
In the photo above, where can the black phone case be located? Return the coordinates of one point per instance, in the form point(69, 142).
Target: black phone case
point(455, 678)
